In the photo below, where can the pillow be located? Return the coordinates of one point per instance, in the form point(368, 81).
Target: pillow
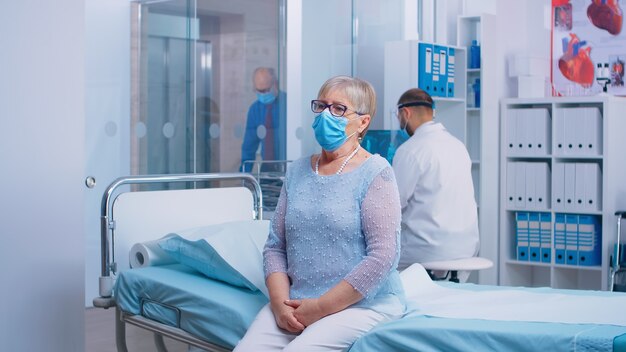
point(231, 252)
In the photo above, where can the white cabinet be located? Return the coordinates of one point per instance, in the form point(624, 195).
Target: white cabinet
point(562, 175)
point(481, 134)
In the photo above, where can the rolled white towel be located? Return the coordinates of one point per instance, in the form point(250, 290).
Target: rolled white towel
point(149, 253)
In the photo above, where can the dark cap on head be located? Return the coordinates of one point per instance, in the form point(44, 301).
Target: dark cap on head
point(415, 97)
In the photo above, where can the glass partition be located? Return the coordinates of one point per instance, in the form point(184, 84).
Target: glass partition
point(326, 52)
point(350, 42)
point(378, 22)
point(194, 103)
point(194, 99)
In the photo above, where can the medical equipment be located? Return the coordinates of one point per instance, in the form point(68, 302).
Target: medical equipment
point(383, 142)
point(179, 302)
point(618, 259)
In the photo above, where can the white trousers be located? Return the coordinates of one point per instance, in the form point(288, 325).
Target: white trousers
point(335, 332)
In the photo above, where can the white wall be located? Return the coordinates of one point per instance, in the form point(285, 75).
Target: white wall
point(523, 29)
point(107, 116)
point(477, 7)
point(41, 153)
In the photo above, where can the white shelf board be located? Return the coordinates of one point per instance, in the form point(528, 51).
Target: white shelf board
point(527, 263)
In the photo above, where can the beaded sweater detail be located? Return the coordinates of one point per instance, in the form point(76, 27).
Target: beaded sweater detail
point(337, 227)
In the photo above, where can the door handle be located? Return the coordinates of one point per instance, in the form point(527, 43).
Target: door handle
point(90, 182)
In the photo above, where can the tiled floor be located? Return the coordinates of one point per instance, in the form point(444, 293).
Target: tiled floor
point(100, 334)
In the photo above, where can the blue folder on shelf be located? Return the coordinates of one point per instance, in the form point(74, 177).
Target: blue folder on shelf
point(546, 237)
point(521, 234)
point(534, 237)
point(571, 239)
point(451, 72)
point(425, 67)
point(440, 68)
point(589, 240)
point(559, 239)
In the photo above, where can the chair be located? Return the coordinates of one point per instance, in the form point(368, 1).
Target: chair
point(452, 267)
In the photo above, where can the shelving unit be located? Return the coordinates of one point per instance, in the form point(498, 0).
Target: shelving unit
point(477, 128)
point(481, 133)
point(576, 144)
point(402, 73)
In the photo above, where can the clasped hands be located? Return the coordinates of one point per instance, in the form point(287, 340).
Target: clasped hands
point(296, 314)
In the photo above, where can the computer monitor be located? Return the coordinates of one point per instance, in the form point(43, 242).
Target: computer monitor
point(383, 142)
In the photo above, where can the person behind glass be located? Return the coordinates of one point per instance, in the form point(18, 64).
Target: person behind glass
point(433, 170)
point(265, 123)
point(331, 255)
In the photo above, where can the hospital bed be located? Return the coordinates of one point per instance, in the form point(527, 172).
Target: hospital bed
point(165, 294)
point(179, 302)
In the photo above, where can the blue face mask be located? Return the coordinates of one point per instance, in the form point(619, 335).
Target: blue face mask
point(403, 132)
point(404, 135)
point(330, 131)
point(266, 98)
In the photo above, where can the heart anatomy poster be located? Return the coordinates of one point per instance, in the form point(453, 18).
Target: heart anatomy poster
point(588, 47)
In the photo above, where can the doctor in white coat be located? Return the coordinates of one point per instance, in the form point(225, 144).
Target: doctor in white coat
point(433, 171)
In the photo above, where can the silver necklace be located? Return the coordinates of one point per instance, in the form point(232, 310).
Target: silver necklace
point(345, 162)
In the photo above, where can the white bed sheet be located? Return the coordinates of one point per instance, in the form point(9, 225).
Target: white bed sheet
point(428, 298)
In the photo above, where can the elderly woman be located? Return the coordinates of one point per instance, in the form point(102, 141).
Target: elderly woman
point(331, 255)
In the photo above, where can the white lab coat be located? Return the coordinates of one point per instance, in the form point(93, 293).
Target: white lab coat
point(439, 215)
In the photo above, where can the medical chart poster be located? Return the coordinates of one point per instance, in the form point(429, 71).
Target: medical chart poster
point(588, 47)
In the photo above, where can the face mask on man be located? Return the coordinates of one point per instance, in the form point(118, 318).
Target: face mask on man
point(266, 98)
point(330, 131)
point(403, 131)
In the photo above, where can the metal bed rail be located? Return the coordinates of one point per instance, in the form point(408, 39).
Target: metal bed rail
point(107, 222)
point(159, 330)
point(270, 174)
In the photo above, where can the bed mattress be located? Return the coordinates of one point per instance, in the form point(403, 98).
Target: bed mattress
point(219, 313)
point(423, 333)
point(179, 296)
point(417, 332)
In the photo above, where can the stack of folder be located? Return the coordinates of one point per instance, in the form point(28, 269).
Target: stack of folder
point(436, 69)
point(528, 185)
point(577, 239)
point(533, 236)
point(578, 131)
point(528, 132)
point(577, 186)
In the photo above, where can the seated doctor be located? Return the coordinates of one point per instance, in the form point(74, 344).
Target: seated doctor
point(433, 170)
point(331, 255)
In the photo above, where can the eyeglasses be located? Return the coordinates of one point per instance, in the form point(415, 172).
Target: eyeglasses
point(336, 109)
point(263, 91)
point(395, 112)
